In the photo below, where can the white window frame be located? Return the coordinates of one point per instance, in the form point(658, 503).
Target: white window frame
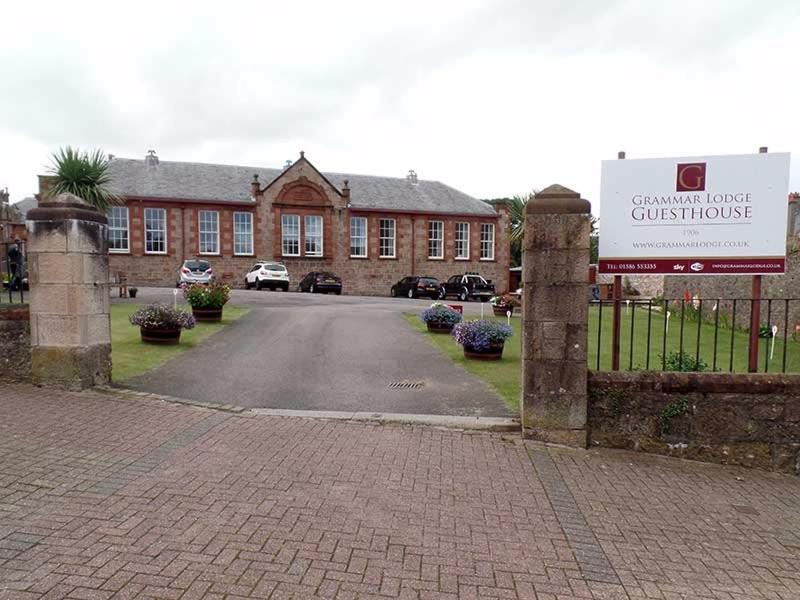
point(487, 242)
point(364, 237)
point(393, 238)
point(201, 232)
point(284, 237)
point(439, 225)
point(127, 230)
point(321, 236)
point(163, 211)
point(248, 234)
point(457, 240)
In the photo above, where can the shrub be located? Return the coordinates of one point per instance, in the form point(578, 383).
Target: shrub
point(505, 300)
point(214, 295)
point(481, 334)
point(683, 361)
point(439, 313)
point(161, 316)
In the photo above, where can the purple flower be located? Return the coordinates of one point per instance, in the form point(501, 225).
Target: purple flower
point(439, 313)
point(481, 334)
point(161, 316)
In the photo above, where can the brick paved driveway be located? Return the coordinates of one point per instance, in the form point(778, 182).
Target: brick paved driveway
point(107, 496)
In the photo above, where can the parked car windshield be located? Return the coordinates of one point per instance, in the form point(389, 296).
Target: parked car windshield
point(328, 275)
point(197, 265)
point(477, 279)
point(274, 267)
point(429, 281)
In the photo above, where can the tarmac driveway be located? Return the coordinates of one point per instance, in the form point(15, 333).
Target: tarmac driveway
point(303, 352)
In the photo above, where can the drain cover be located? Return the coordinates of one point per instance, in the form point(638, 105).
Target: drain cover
point(404, 385)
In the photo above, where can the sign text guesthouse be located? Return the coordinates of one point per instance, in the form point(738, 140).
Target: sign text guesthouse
point(702, 215)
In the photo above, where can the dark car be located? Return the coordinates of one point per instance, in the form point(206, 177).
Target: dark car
point(467, 286)
point(413, 287)
point(321, 281)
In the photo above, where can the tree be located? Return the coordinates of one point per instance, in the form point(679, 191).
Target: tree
point(594, 241)
point(516, 209)
point(85, 175)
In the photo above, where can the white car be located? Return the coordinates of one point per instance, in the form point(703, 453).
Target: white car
point(266, 274)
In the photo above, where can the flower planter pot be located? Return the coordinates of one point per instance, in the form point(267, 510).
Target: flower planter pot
point(160, 336)
point(435, 327)
point(493, 352)
point(500, 311)
point(207, 315)
point(132, 292)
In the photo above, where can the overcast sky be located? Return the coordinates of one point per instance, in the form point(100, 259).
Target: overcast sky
point(493, 98)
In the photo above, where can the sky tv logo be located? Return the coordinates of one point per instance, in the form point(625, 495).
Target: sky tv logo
point(691, 177)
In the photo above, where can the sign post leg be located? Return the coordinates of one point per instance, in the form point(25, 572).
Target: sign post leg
point(755, 324)
point(617, 294)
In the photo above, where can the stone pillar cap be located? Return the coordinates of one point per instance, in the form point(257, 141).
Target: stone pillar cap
point(66, 200)
point(65, 206)
point(557, 199)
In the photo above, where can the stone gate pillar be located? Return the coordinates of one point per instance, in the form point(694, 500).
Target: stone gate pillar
point(555, 267)
point(69, 302)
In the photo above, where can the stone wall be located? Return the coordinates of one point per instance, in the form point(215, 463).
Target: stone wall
point(751, 420)
point(15, 343)
point(649, 286)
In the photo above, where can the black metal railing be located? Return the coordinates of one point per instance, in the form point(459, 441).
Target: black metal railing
point(697, 335)
point(13, 272)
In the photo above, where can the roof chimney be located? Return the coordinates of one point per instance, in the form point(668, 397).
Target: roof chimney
point(151, 159)
point(346, 192)
point(412, 176)
point(255, 186)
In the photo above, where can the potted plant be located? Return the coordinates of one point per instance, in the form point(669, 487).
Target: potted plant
point(161, 324)
point(133, 291)
point(501, 305)
point(207, 300)
point(482, 339)
point(440, 318)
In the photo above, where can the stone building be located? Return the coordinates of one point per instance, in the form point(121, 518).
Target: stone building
point(371, 231)
point(12, 220)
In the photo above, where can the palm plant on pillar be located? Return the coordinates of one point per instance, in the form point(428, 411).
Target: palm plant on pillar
point(84, 174)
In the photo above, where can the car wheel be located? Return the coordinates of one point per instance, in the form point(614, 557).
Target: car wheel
point(463, 295)
point(259, 286)
point(410, 293)
point(312, 289)
point(442, 294)
point(338, 292)
point(393, 293)
point(246, 284)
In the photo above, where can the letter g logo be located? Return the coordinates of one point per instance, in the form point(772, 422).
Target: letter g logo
point(691, 177)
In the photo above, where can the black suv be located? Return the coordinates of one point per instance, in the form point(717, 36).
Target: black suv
point(467, 286)
point(413, 287)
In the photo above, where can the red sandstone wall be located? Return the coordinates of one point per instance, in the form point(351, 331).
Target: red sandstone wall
point(307, 193)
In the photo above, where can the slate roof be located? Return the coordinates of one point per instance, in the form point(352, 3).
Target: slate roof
point(229, 183)
point(24, 205)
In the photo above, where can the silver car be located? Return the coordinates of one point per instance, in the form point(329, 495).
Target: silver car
point(195, 271)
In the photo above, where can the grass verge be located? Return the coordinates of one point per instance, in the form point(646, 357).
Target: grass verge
point(503, 375)
point(131, 357)
point(637, 350)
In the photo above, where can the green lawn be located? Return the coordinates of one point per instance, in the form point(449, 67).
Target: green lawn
point(130, 356)
point(503, 375)
point(638, 319)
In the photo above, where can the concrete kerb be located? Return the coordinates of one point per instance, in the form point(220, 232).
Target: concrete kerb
point(493, 424)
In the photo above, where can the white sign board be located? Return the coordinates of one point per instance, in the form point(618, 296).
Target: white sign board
point(700, 215)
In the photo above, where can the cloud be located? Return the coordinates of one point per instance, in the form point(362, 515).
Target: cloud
point(491, 97)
